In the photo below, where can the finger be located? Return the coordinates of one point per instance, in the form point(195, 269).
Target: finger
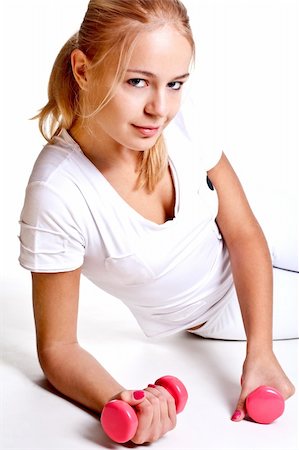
point(164, 423)
point(148, 413)
point(133, 398)
point(168, 405)
point(240, 410)
point(238, 415)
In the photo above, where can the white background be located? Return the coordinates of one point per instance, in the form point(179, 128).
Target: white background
point(245, 84)
point(246, 87)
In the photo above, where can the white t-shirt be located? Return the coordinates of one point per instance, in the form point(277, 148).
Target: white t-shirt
point(171, 276)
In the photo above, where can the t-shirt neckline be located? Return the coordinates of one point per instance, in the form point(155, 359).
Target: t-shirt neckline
point(66, 135)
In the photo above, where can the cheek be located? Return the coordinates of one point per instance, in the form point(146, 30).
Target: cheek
point(113, 112)
point(123, 108)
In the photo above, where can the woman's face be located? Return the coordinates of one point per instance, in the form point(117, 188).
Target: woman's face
point(149, 97)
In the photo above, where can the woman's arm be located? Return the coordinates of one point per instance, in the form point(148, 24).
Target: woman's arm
point(72, 370)
point(252, 272)
point(76, 373)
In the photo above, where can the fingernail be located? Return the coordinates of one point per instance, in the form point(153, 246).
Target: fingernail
point(151, 385)
point(138, 395)
point(237, 414)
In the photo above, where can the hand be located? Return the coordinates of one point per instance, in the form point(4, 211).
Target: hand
point(156, 412)
point(258, 370)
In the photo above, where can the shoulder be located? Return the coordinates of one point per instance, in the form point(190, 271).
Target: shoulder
point(60, 175)
point(58, 156)
point(53, 196)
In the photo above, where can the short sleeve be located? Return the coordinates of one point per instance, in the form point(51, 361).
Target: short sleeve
point(51, 238)
point(209, 144)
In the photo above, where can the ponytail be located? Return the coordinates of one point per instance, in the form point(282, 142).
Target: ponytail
point(63, 92)
point(152, 165)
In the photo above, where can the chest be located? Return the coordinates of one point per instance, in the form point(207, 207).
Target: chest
point(157, 206)
point(136, 250)
point(128, 221)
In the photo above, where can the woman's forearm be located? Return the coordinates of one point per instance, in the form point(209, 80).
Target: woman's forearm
point(252, 272)
point(78, 375)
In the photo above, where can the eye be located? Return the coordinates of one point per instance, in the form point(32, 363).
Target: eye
point(137, 82)
point(175, 85)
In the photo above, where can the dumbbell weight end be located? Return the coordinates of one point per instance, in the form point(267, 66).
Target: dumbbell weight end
point(265, 404)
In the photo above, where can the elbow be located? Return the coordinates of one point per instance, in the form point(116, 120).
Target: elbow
point(48, 362)
point(53, 360)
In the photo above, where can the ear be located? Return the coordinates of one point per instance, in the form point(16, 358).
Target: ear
point(80, 64)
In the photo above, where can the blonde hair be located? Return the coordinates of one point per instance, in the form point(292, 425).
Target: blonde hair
point(107, 36)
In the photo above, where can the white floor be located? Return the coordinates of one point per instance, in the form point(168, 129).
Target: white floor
point(34, 417)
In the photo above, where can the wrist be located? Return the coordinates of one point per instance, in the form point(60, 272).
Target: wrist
point(259, 358)
point(260, 341)
point(116, 395)
point(259, 348)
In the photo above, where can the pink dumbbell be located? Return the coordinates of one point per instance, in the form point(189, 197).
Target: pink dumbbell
point(119, 420)
point(264, 404)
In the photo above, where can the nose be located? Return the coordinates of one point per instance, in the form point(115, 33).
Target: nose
point(156, 104)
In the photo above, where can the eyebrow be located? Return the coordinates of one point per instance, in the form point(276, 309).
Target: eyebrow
point(152, 75)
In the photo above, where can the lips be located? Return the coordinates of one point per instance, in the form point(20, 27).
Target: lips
point(147, 131)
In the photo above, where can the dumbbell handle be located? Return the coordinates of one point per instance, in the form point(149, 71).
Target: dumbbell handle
point(264, 404)
point(119, 420)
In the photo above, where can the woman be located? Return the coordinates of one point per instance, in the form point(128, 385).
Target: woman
point(138, 211)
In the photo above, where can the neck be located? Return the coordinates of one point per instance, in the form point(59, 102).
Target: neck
point(102, 151)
